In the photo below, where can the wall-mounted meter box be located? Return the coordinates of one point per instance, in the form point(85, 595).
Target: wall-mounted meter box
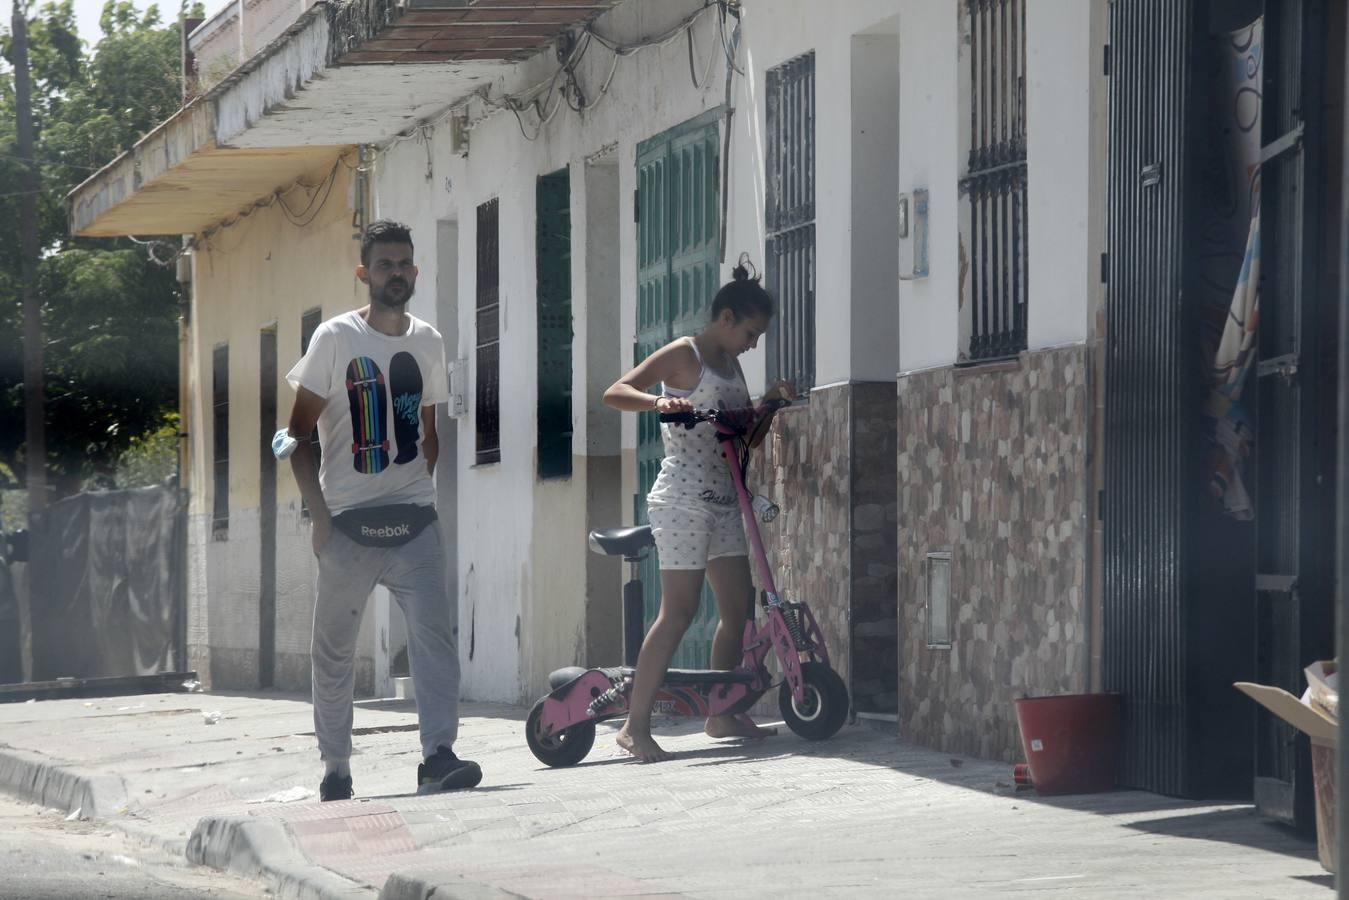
point(458, 405)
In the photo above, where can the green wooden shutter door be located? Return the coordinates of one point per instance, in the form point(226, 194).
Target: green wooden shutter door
point(677, 259)
point(553, 255)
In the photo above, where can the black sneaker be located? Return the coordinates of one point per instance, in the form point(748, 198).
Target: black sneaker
point(335, 787)
point(446, 772)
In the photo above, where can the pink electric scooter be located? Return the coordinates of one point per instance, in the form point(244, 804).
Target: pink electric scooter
point(812, 697)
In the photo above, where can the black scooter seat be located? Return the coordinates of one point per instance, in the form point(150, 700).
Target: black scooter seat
point(621, 541)
point(559, 677)
point(701, 676)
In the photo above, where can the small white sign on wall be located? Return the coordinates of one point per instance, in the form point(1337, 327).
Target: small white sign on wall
point(458, 405)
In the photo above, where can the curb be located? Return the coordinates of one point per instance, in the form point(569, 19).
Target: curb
point(33, 778)
point(256, 848)
point(36, 778)
point(262, 849)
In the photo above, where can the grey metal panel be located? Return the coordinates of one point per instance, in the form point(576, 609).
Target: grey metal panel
point(1145, 652)
point(1295, 425)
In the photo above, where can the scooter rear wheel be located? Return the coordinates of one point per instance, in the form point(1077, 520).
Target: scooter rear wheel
point(825, 708)
point(566, 748)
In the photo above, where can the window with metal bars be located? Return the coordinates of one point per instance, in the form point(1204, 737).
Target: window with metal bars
point(487, 403)
point(220, 456)
point(995, 179)
point(789, 215)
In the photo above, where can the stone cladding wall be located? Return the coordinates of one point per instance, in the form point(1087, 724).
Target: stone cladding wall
point(992, 467)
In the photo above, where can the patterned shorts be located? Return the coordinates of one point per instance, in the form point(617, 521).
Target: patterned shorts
point(688, 535)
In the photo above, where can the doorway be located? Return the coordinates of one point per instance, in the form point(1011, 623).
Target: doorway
point(1218, 502)
point(678, 254)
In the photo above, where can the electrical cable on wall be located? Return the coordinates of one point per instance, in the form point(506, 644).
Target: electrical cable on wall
point(299, 219)
point(731, 69)
point(326, 187)
point(151, 248)
point(707, 70)
point(545, 97)
point(321, 192)
point(588, 33)
point(732, 8)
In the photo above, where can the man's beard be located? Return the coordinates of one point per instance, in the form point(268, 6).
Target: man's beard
point(384, 297)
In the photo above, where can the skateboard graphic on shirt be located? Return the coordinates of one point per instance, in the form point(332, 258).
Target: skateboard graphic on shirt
point(405, 386)
point(369, 430)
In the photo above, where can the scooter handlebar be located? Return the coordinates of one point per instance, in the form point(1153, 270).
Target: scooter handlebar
point(689, 418)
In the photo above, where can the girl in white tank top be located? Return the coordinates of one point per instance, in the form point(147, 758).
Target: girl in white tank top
point(694, 513)
point(693, 470)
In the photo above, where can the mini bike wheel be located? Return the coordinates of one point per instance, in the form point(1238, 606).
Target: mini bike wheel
point(825, 708)
point(566, 748)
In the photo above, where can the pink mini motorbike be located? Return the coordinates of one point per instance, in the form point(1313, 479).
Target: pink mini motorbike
point(812, 697)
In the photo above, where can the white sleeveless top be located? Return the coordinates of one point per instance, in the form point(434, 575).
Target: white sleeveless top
point(693, 470)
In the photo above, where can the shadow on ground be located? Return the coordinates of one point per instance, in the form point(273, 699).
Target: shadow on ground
point(1231, 822)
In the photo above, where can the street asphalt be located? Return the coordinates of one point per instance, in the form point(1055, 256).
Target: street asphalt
point(45, 855)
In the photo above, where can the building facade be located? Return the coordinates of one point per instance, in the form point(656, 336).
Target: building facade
point(924, 187)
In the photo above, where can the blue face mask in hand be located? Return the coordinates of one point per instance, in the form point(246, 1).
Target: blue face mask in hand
point(283, 445)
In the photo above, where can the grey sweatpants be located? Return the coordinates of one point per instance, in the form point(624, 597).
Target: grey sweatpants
point(414, 573)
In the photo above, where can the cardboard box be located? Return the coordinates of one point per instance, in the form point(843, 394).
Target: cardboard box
point(1309, 715)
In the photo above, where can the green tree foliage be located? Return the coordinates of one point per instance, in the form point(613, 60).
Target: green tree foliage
point(109, 313)
point(152, 457)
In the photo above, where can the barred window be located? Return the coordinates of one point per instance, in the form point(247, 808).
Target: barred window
point(487, 408)
point(790, 218)
point(995, 180)
point(220, 456)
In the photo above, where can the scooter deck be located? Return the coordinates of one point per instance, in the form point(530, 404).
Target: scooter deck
point(700, 676)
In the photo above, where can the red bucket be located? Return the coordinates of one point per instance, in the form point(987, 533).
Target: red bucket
point(1071, 742)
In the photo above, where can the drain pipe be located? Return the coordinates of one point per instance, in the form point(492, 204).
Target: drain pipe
point(732, 9)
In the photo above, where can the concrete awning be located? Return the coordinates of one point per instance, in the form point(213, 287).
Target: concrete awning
point(437, 30)
point(177, 180)
point(347, 72)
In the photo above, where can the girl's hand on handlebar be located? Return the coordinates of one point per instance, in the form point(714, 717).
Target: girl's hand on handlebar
point(781, 391)
point(673, 405)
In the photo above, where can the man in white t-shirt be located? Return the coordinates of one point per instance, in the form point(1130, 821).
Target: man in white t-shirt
point(370, 381)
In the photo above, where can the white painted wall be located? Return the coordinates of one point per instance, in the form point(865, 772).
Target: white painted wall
point(520, 568)
point(260, 271)
point(1065, 159)
point(774, 32)
point(873, 354)
point(1065, 109)
point(521, 550)
point(930, 157)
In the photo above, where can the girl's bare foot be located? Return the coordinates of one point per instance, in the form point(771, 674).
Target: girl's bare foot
point(739, 726)
point(642, 746)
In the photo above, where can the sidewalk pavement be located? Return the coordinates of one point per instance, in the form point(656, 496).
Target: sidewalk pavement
point(860, 815)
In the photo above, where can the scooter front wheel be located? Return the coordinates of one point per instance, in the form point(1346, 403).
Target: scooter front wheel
point(825, 708)
point(566, 748)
